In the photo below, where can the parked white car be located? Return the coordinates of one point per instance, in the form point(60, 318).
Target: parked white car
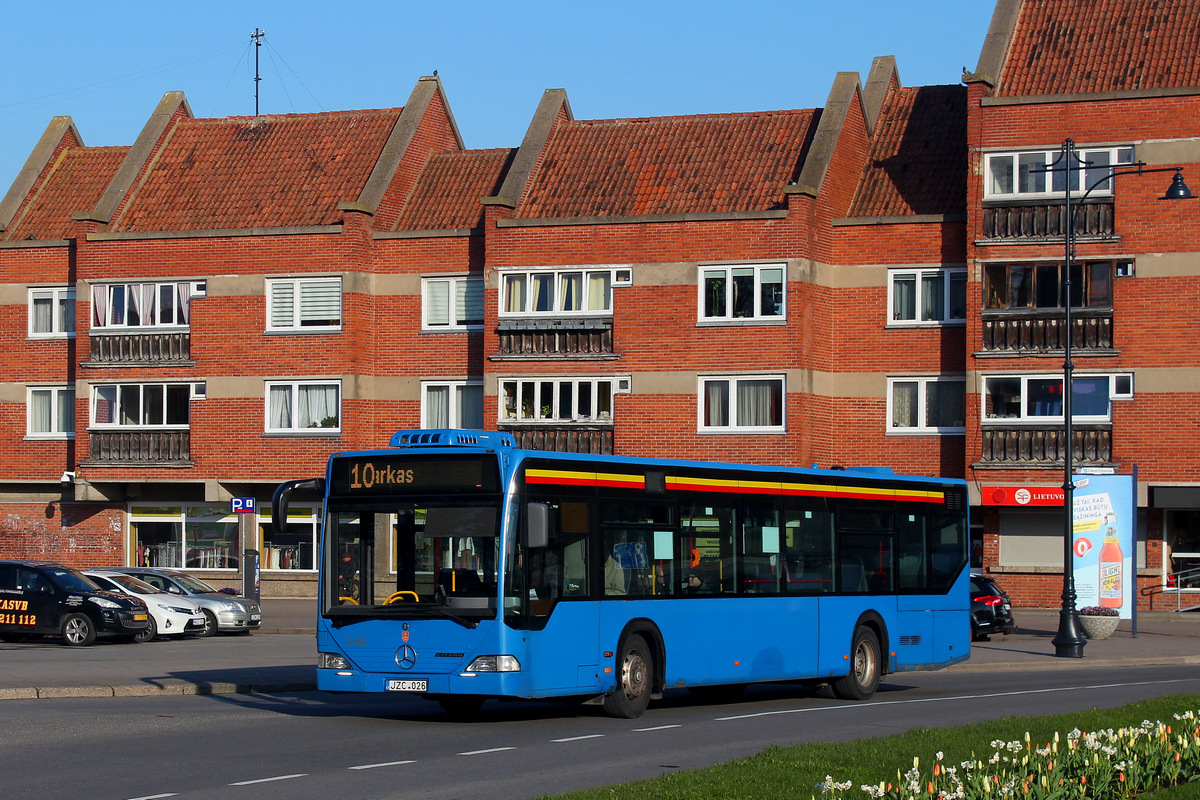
point(170, 615)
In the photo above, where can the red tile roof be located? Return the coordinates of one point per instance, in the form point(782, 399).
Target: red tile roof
point(246, 172)
point(918, 158)
point(1076, 46)
point(73, 183)
point(669, 165)
point(449, 187)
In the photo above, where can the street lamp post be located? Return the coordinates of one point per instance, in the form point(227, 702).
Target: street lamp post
point(1069, 641)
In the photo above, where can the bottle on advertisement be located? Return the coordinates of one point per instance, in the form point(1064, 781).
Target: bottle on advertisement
point(1112, 565)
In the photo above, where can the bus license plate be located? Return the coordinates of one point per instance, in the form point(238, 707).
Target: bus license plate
point(407, 686)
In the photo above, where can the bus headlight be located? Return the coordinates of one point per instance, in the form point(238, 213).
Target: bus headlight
point(332, 661)
point(495, 664)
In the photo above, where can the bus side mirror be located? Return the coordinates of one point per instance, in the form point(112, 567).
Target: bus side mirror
point(538, 529)
point(283, 495)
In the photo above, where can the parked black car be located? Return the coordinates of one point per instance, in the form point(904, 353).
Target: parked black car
point(49, 599)
point(991, 610)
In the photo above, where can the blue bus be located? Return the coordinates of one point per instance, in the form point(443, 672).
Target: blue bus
point(458, 567)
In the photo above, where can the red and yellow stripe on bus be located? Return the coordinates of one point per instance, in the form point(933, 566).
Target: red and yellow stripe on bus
point(624, 481)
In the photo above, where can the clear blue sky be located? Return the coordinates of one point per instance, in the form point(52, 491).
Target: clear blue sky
point(106, 65)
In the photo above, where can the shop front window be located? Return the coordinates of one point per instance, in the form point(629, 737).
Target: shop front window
point(189, 537)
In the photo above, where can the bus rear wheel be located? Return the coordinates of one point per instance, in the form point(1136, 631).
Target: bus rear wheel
point(635, 679)
point(865, 667)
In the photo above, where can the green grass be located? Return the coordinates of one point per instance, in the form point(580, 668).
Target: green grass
point(790, 773)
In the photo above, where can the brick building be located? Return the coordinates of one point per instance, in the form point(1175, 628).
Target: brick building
point(220, 306)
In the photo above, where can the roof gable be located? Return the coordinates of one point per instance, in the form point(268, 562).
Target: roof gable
point(74, 182)
point(918, 158)
point(447, 192)
point(668, 165)
point(257, 172)
point(1082, 46)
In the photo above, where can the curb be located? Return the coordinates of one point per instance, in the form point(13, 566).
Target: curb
point(154, 690)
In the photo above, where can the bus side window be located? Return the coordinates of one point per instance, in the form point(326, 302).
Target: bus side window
point(808, 548)
point(761, 547)
point(910, 532)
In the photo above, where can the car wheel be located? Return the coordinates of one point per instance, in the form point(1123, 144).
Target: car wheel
point(210, 623)
point(864, 667)
point(148, 634)
point(78, 630)
point(635, 678)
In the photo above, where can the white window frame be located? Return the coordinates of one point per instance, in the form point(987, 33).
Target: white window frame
point(950, 277)
point(923, 382)
point(1120, 387)
point(62, 324)
point(124, 392)
point(299, 515)
point(105, 305)
point(62, 427)
point(511, 408)
point(293, 411)
point(302, 290)
point(1053, 184)
point(463, 293)
point(188, 542)
point(757, 316)
point(732, 382)
point(521, 305)
point(455, 390)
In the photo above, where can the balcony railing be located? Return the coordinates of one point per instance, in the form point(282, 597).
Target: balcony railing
point(140, 448)
point(163, 347)
point(1009, 332)
point(555, 338)
point(593, 440)
point(1023, 445)
point(1044, 219)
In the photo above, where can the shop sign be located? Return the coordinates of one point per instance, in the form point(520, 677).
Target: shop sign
point(1018, 496)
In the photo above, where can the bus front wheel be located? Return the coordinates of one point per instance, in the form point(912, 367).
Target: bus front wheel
point(635, 678)
point(864, 674)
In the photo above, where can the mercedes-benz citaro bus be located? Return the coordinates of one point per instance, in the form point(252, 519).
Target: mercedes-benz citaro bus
point(455, 566)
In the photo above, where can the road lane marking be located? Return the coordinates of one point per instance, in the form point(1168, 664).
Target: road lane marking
point(484, 752)
point(384, 764)
point(578, 738)
point(659, 728)
point(269, 780)
point(155, 796)
point(955, 697)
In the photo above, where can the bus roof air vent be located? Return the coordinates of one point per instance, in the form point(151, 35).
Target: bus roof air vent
point(451, 437)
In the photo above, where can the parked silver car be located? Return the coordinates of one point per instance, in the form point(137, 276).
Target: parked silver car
point(223, 612)
point(170, 614)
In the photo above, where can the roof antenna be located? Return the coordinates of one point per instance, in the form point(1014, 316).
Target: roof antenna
point(257, 37)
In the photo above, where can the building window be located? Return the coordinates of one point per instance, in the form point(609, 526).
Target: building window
point(1033, 286)
point(51, 412)
point(742, 292)
point(1020, 176)
point(304, 304)
point(452, 404)
point(304, 406)
point(1038, 398)
point(927, 405)
point(450, 304)
point(744, 404)
point(925, 296)
point(141, 305)
point(188, 537)
point(581, 400)
point(564, 292)
point(295, 550)
point(141, 405)
point(52, 312)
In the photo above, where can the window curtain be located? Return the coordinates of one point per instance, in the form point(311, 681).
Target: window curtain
point(945, 404)
point(282, 304)
point(758, 404)
point(437, 407)
point(599, 291)
point(904, 299)
point(437, 298)
point(321, 302)
point(99, 306)
point(514, 293)
point(543, 292)
point(66, 410)
point(43, 313)
point(315, 405)
point(39, 411)
point(904, 405)
point(468, 302)
point(572, 291)
point(185, 298)
point(281, 407)
point(470, 407)
point(714, 294)
point(716, 404)
point(933, 296)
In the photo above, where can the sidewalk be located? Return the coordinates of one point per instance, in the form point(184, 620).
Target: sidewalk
point(281, 656)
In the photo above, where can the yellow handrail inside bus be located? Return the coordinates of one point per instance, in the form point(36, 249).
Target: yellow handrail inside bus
point(349, 600)
point(394, 596)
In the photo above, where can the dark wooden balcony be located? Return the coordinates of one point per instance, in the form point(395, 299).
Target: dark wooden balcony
point(596, 440)
point(150, 348)
point(1040, 219)
point(555, 338)
point(1020, 445)
point(140, 448)
point(1009, 331)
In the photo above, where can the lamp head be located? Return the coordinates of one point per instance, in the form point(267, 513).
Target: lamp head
point(1178, 190)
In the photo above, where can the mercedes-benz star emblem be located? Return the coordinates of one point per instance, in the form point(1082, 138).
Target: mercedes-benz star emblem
point(406, 657)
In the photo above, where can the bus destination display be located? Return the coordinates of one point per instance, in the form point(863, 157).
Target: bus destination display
point(406, 475)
